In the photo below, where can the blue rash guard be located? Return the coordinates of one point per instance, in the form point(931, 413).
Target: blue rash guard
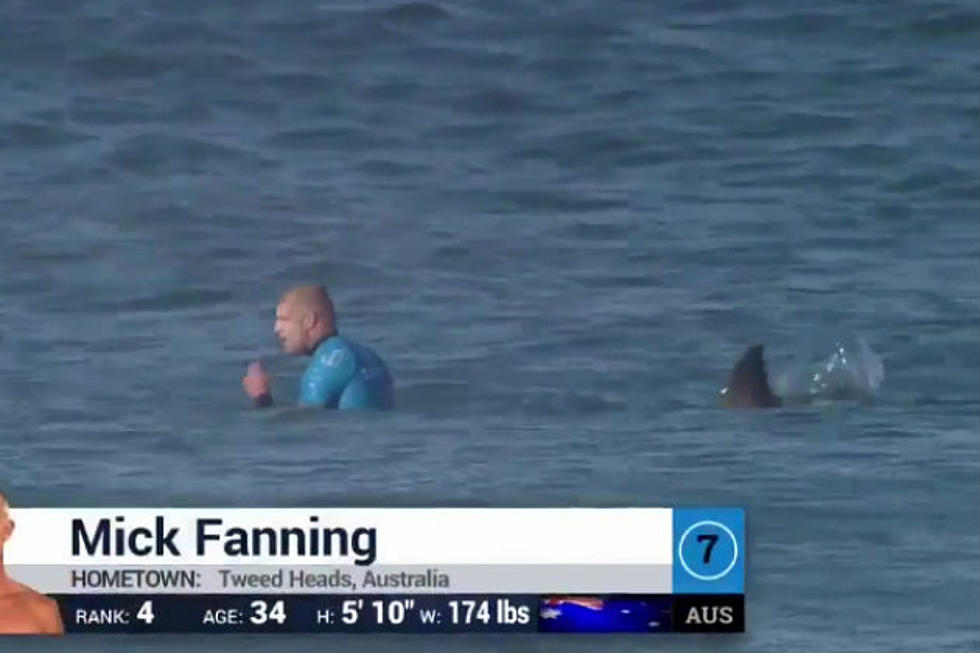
point(344, 374)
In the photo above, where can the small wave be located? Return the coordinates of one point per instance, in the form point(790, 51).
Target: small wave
point(414, 13)
point(154, 153)
point(385, 170)
point(316, 138)
point(93, 110)
point(180, 33)
point(116, 66)
point(497, 101)
point(296, 82)
point(937, 22)
point(588, 232)
point(179, 299)
point(29, 135)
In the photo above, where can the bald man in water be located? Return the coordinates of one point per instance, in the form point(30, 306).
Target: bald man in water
point(343, 374)
point(22, 610)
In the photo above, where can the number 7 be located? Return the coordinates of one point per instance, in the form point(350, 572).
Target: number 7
point(712, 540)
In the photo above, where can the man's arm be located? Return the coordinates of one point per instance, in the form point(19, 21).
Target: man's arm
point(327, 377)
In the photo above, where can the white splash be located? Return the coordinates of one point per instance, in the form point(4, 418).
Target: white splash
point(852, 370)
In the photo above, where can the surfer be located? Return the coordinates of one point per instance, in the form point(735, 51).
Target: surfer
point(22, 610)
point(343, 374)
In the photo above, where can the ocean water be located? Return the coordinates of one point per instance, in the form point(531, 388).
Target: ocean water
point(560, 223)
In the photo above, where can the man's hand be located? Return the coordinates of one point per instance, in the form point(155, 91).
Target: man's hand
point(256, 384)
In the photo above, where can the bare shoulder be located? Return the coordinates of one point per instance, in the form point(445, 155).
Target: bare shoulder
point(43, 609)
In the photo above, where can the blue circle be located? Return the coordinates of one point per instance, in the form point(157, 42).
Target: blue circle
point(708, 550)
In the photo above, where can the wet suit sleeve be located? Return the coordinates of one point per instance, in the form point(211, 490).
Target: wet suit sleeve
point(331, 369)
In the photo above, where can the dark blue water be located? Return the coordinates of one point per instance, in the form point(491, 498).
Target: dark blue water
point(560, 223)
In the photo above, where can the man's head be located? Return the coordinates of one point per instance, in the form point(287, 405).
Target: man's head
point(304, 318)
point(6, 523)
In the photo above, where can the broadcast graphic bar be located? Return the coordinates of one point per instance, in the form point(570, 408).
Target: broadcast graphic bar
point(384, 570)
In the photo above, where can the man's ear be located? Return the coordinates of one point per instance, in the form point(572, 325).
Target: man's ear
point(310, 319)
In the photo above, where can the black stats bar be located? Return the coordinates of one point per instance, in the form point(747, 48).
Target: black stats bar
point(404, 613)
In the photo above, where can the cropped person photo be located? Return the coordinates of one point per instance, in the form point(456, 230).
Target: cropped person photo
point(22, 610)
